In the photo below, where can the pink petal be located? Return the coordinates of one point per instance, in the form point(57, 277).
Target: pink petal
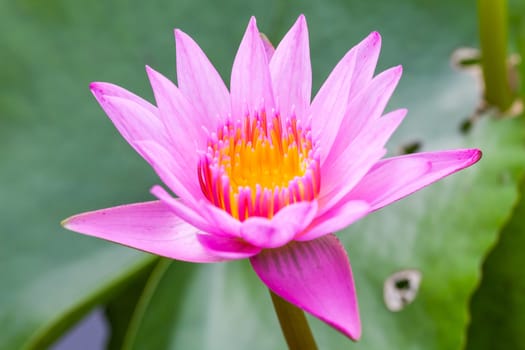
point(199, 81)
point(100, 89)
point(367, 52)
point(331, 102)
point(187, 211)
point(251, 88)
point(366, 107)
point(282, 228)
point(342, 174)
point(186, 130)
point(335, 219)
point(174, 174)
point(184, 124)
point(203, 215)
point(350, 76)
point(149, 226)
point(397, 177)
point(316, 277)
point(292, 73)
point(228, 247)
point(132, 120)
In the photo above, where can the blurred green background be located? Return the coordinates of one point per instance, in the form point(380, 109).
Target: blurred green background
point(60, 155)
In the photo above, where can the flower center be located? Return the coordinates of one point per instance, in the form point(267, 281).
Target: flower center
point(258, 165)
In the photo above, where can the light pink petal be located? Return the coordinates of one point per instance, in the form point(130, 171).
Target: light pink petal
point(203, 215)
point(100, 89)
point(397, 177)
point(175, 175)
point(150, 226)
point(183, 123)
point(187, 211)
point(228, 247)
point(331, 102)
point(367, 52)
point(366, 107)
point(291, 72)
point(133, 121)
point(186, 129)
point(251, 88)
point(282, 228)
point(316, 277)
point(350, 76)
point(335, 219)
point(199, 81)
point(342, 174)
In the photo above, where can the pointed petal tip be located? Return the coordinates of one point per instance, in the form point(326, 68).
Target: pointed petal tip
point(252, 23)
point(398, 69)
point(64, 223)
point(324, 290)
point(97, 88)
point(352, 330)
point(93, 85)
point(301, 26)
point(301, 21)
point(375, 38)
point(180, 36)
point(476, 155)
point(392, 75)
point(71, 223)
point(151, 73)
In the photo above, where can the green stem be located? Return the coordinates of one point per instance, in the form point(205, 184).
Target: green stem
point(521, 50)
point(293, 324)
point(493, 29)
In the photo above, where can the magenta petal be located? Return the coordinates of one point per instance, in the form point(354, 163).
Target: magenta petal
point(199, 81)
point(335, 219)
point(149, 226)
point(292, 73)
point(185, 210)
point(221, 222)
point(228, 247)
point(394, 178)
point(316, 277)
point(251, 87)
point(282, 228)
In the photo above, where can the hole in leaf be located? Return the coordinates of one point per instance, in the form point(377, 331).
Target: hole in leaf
point(465, 126)
point(410, 147)
point(465, 58)
point(403, 283)
point(401, 288)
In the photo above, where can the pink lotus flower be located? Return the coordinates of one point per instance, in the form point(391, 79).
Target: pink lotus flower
point(263, 173)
